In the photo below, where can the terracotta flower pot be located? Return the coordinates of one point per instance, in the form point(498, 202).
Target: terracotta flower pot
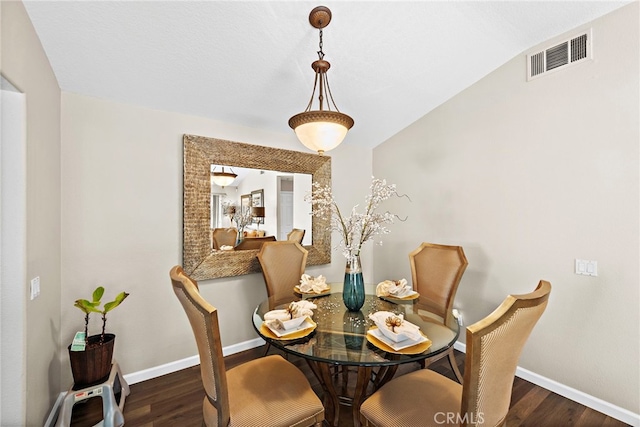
point(93, 365)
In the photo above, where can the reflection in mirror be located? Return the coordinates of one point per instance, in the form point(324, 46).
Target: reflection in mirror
point(281, 194)
point(286, 179)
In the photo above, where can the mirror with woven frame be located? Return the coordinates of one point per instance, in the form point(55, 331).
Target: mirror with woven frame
point(200, 261)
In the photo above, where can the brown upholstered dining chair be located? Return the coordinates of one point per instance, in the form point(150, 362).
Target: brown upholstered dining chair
point(265, 391)
point(296, 235)
point(425, 398)
point(436, 271)
point(224, 237)
point(283, 264)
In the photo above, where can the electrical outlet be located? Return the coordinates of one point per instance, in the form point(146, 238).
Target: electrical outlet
point(458, 315)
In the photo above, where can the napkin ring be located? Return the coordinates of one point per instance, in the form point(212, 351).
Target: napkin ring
point(392, 322)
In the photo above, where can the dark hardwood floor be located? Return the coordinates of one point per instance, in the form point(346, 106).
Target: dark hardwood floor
point(176, 400)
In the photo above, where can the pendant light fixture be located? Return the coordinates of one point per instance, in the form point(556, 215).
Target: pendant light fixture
point(323, 129)
point(223, 178)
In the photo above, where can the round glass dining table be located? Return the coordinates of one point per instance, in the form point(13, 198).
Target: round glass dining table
point(340, 339)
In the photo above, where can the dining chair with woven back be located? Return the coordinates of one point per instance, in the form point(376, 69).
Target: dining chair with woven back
point(425, 398)
point(296, 235)
point(283, 263)
point(436, 271)
point(265, 391)
point(224, 237)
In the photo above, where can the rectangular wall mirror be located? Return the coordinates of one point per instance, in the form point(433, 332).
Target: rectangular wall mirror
point(274, 178)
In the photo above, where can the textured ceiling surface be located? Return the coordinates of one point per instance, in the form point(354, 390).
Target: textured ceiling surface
point(249, 62)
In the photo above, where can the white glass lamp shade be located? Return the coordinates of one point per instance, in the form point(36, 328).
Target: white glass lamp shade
point(321, 136)
point(321, 130)
point(222, 178)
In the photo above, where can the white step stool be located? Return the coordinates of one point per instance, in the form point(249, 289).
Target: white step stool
point(111, 409)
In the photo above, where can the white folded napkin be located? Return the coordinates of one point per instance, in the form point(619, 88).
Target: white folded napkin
point(280, 326)
point(310, 284)
point(302, 308)
point(282, 314)
point(296, 309)
point(394, 288)
point(411, 331)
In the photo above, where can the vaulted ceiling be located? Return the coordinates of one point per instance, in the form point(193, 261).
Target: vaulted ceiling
point(249, 62)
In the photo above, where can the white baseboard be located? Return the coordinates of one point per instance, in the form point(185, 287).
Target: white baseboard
point(585, 399)
point(178, 365)
point(460, 346)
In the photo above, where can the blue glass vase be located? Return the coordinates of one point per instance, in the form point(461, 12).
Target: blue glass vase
point(353, 289)
point(240, 236)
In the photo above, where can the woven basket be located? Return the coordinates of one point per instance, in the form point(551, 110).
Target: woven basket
point(93, 365)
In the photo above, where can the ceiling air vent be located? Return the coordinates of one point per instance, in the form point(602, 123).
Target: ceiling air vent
point(558, 56)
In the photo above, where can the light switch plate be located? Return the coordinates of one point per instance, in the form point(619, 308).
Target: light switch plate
point(35, 287)
point(586, 267)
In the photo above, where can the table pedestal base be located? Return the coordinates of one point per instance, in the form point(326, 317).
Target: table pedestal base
point(332, 400)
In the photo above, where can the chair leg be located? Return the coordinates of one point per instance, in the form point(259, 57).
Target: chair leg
point(454, 366)
point(424, 363)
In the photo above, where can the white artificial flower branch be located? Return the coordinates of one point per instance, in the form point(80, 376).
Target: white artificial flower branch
point(235, 214)
point(357, 228)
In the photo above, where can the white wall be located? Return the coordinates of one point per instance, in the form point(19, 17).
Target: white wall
point(266, 182)
point(122, 225)
point(25, 65)
point(13, 259)
point(527, 177)
point(301, 208)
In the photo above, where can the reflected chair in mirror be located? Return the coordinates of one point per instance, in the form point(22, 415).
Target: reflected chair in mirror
point(282, 264)
point(296, 235)
point(425, 398)
point(254, 242)
point(436, 271)
point(224, 237)
point(266, 390)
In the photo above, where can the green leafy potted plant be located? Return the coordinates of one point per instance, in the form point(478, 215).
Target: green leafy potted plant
point(91, 362)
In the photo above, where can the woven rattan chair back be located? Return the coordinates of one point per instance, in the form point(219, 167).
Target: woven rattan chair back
point(436, 271)
point(263, 391)
point(296, 235)
point(224, 237)
point(494, 345)
point(427, 398)
point(203, 318)
point(283, 264)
